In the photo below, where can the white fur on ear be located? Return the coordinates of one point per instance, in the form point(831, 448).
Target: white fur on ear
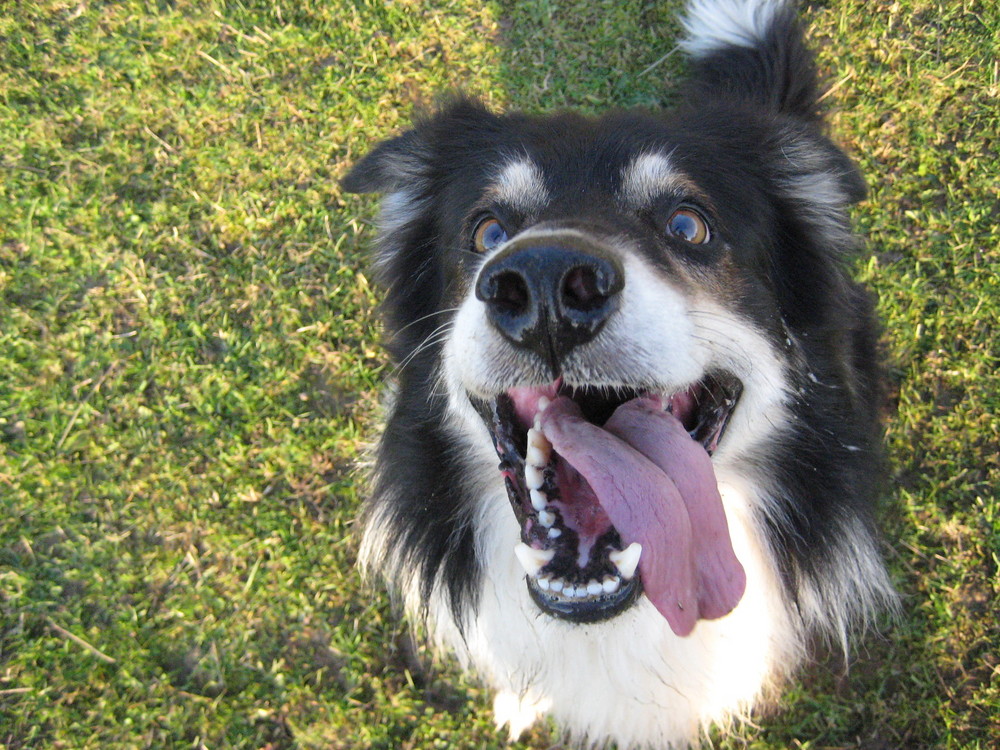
point(711, 25)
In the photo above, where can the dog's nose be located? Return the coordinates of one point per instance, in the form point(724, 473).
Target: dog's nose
point(548, 298)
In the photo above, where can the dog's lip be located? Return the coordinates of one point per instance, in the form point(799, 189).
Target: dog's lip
point(590, 609)
point(705, 409)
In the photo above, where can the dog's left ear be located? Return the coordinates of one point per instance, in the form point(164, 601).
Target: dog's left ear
point(819, 170)
point(389, 166)
point(816, 177)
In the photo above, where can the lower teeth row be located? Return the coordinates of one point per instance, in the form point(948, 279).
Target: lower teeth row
point(593, 587)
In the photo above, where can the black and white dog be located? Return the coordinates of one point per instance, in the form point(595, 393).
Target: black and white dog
point(646, 320)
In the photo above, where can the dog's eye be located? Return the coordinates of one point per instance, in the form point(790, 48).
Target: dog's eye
point(688, 225)
point(489, 234)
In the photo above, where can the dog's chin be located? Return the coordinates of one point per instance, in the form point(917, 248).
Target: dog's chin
point(579, 566)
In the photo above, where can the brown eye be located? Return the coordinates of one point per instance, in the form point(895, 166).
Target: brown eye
point(488, 235)
point(688, 225)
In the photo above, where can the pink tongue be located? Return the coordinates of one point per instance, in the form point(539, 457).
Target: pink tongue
point(657, 486)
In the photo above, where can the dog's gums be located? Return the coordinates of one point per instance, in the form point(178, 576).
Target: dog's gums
point(615, 494)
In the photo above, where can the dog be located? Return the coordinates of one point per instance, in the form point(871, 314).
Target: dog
point(631, 457)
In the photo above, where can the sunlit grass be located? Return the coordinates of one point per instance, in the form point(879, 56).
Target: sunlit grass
point(189, 359)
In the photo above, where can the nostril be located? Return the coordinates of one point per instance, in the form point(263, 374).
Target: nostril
point(587, 287)
point(580, 289)
point(508, 291)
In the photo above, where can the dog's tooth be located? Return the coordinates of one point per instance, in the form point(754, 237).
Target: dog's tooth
point(544, 582)
point(534, 477)
point(627, 559)
point(531, 559)
point(569, 592)
point(537, 439)
point(542, 405)
point(610, 584)
point(594, 587)
point(556, 584)
point(536, 457)
point(538, 499)
point(546, 518)
point(555, 533)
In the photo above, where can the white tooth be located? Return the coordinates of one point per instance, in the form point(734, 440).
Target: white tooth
point(555, 533)
point(532, 560)
point(546, 518)
point(570, 592)
point(536, 457)
point(543, 583)
point(537, 439)
point(556, 584)
point(538, 499)
point(543, 403)
point(594, 587)
point(610, 584)
point(627, 560)
point(533, 477)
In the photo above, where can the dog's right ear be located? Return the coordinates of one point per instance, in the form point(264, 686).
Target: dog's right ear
point(389, 166)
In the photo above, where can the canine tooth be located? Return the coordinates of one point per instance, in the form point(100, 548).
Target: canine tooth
point(543, 583)
point(610, 584)
point(594, 587)
point(570, 592)
point(532, 560)
point(533, 477)
point(546, 518)
point(627, 559)
point(538, 499)
point(556, 584)
point(555, 533)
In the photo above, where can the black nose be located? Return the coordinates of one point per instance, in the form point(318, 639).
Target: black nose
point(549, 298)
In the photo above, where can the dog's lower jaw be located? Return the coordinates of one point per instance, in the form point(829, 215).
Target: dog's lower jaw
point(622, 666)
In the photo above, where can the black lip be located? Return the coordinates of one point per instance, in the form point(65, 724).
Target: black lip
point(587, 610)
point(722, 392)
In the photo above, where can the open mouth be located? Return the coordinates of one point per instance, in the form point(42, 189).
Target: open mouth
point(616, 497)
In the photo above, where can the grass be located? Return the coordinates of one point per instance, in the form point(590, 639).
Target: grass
point(190, 362)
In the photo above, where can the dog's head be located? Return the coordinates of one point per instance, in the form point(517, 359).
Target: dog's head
point(616, 300)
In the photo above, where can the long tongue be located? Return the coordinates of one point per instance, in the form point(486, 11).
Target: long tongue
point(653, 484)
point(662, 439)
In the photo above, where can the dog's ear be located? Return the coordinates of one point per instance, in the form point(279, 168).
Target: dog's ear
point(437, 140)
point(389, 166)
point(820, 181)
point(821, 171)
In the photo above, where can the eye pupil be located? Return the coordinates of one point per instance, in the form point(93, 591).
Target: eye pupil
point(489, 234)
point(689, 226)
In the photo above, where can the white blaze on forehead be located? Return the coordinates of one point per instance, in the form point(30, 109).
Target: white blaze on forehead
point(649, 176)
point(521, 185)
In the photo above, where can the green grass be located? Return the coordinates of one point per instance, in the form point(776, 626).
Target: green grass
point(189, 362)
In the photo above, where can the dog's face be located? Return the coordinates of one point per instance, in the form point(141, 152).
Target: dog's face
point(613, 301)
